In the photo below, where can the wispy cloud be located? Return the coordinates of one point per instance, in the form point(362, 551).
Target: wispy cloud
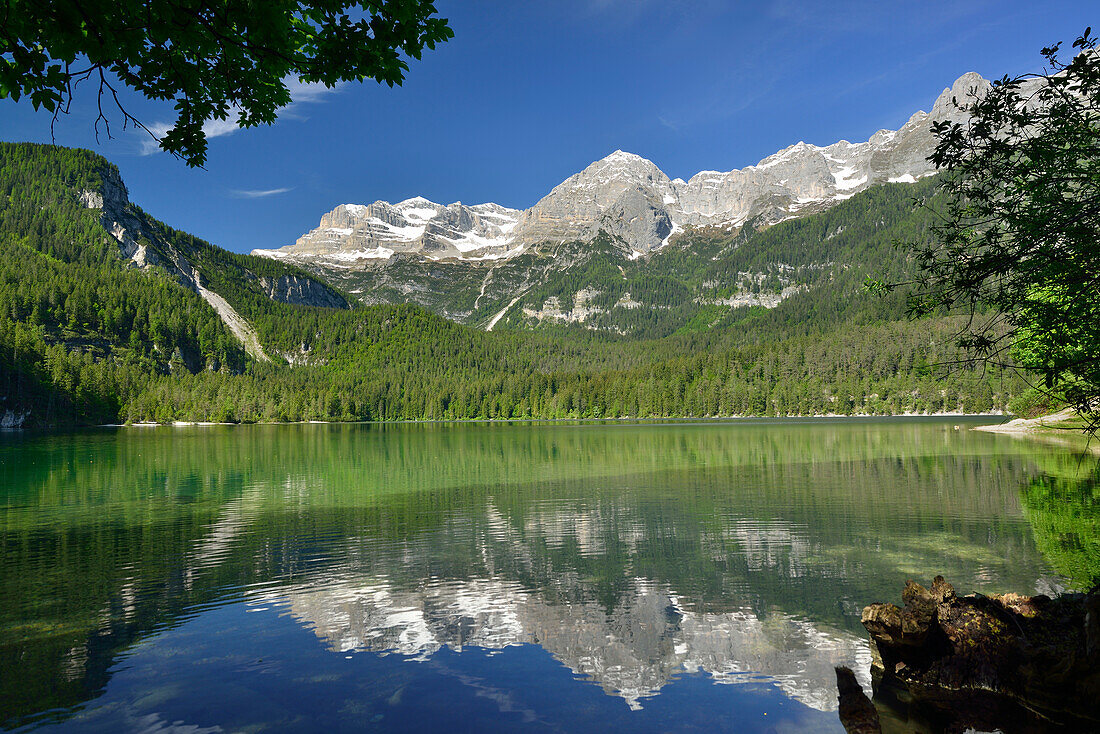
point(305, 93)
point(211, 128)
point(300, 94)
point(259, 193)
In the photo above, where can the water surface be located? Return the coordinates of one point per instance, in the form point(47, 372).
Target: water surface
point(562, 577)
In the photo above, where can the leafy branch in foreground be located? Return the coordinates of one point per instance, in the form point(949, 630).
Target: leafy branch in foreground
point(1018, 248)
point(214, 60)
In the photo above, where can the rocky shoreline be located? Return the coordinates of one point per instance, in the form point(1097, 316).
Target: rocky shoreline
point(1003, 662)
point(1031, 425)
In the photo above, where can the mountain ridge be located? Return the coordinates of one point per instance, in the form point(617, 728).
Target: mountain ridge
point(632, 199)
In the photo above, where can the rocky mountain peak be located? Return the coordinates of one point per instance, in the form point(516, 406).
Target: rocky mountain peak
point(614, 193)
point(618, 170)
point(801, 149)
point(962, 92)
point(631, 198)
point(625, 157)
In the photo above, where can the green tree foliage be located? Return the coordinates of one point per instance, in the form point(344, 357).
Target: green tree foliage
point(1020, 232)
point(213, 60)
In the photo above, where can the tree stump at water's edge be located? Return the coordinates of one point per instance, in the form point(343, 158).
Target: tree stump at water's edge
point(1005, 661)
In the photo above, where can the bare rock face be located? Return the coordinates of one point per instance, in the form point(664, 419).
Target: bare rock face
point(638, 216)
point(472, 263)
point(12, 419)
point(300, 291)
point(128, 230)
point(1007, 662)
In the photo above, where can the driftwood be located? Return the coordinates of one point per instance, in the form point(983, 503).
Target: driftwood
point(1002, 662)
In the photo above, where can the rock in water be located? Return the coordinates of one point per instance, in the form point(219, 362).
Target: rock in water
point(1005, 661)
point(857, 713)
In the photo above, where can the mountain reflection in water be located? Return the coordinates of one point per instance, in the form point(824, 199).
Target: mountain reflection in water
point(631, 652)
point(637, 556)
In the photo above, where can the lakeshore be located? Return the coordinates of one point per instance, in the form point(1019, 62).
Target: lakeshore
point(520, 421)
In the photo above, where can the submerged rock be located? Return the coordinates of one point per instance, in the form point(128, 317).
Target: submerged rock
point(1006, 661)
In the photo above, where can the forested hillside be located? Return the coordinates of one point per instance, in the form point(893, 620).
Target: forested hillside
point(98, 326)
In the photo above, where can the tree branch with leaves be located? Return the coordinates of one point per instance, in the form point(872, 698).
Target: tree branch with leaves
point(213, 59)
point(1020, 238)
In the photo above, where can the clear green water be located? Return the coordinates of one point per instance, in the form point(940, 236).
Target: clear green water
point(497, 577)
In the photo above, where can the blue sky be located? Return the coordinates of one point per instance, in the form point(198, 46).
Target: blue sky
point(528, 93)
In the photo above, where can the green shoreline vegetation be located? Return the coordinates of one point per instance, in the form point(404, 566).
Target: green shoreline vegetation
point(703, 420)
point(88, 338)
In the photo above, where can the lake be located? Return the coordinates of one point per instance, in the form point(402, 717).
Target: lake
point(498, 577)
